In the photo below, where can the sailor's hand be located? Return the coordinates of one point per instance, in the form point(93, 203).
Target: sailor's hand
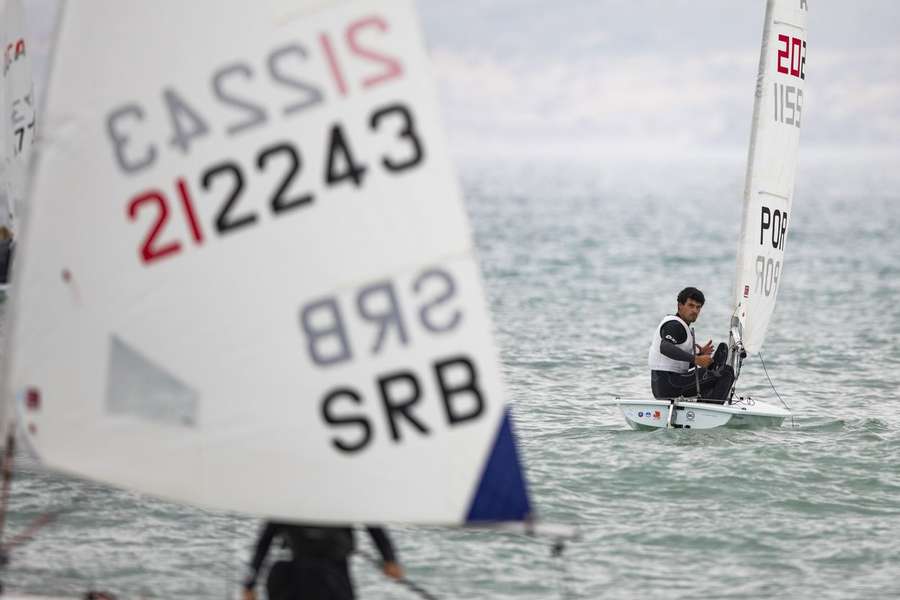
point(703, 360)
point(707, 349)
point(393, 570)
point(248, 594)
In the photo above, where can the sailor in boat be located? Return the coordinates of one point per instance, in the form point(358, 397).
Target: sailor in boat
point(318, 569)
point(6, 249)
point(678, 365)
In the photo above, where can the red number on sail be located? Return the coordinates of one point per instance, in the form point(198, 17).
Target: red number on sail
point(149, 250)
point(795, 56)
point(791, 56)
point(333, 64)
point(391, 66)
point(783, 53)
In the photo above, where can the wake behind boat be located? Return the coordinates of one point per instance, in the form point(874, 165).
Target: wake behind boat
point(768, 194)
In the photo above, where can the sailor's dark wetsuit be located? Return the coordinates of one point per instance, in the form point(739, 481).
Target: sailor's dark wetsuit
point(318, 569)
point(673, 372)
point(6, 251)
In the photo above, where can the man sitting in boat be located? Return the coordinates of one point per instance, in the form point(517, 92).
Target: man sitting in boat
point(680, 367)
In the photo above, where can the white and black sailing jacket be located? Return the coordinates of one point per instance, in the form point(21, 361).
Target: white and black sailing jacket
point(676, 331)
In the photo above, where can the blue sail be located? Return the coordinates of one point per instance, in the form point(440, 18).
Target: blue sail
point(502, 494)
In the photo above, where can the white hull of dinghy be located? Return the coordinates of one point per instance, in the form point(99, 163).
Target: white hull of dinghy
point(690, 414)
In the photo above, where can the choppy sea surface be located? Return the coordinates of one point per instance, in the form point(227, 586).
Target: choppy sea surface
point(580, 262)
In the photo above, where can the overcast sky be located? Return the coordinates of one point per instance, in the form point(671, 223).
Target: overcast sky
point(638, 78)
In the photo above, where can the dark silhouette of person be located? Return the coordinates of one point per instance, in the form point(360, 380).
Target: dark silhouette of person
point(318, 569)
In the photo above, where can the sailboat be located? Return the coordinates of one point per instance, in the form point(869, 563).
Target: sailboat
point(246, 260)
point(17, 123)
point(768, 194)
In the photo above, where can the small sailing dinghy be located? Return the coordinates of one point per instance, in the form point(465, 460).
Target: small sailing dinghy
point(688, 413)
point(769, 189)
point(247, 267)
point(17, 128)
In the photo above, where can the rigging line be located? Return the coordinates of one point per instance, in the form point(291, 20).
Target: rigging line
point(763, 362)
point(36, 524)
point(404, 581)
point(9, 457)
point(28, 534)
point(30, 531)
point(694, 359)
point(563, 576)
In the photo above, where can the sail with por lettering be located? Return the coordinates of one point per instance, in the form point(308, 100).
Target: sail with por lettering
point(771, 169)
point(248, 281)
point(772, 163)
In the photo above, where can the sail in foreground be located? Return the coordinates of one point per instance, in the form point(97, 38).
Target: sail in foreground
point(248, 280)
point(771, 169)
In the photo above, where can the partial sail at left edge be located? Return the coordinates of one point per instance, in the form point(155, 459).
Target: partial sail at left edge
point(18, 113)
point(261, 293)
point(17, 130)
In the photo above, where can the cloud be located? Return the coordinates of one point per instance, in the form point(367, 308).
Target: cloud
point(665, 103)
point(628, 76)
point(615, 76)
point(632, 101)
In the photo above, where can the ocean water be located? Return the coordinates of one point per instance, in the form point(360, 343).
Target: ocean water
point(580, 262)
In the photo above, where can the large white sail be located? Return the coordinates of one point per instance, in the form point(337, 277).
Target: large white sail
point(18, 112)
point(248, 280)
point(769, 190)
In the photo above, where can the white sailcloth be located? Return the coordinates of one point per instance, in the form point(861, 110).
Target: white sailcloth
point(18, 112)
point(772, 163)
point(248, 280)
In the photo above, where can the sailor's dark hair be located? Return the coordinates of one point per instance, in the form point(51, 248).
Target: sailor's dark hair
point(692, 293)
